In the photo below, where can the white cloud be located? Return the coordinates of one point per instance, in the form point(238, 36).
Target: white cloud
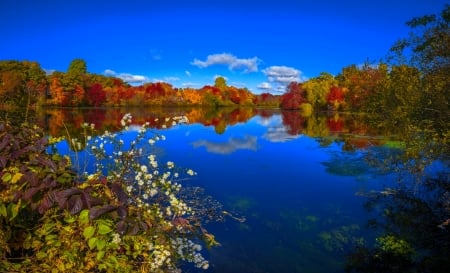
point(265, 86)
point(126, 77)
point(187, 73)
point(280, 88)
point(239, 84)
point(282, 74)
point(132, 78)
point(190, 84)
point(109, 72)
point(234, 63)
point(155, 54)
point(171, 79)
point(166, 79)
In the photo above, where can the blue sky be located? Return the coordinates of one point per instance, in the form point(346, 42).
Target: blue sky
point(260, 45)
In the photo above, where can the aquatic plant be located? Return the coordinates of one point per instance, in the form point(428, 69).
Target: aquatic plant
point(123, 216)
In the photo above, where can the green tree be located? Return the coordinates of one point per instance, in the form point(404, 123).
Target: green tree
point(318, 88)
point(428, 49)
point(220, 83)
point(75, 80)
point(77, 67)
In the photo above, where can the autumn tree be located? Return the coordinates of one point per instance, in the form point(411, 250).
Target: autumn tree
point(428, 49)
point(318, 88)
point(335, 97)
point(294, 96)
point(22, 83)
point(191, 96)
point(74, 81)
point(267, 100)
point(58, 96)
point(11, 87)
point(96, 96)
point(364, 84)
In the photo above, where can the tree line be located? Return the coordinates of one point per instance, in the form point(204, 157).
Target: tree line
point(415, 80)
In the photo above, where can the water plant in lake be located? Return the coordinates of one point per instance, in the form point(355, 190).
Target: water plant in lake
point(125, 215)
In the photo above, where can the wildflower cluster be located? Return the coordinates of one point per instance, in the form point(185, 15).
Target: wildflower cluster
point(188, 251)
point(152, 188)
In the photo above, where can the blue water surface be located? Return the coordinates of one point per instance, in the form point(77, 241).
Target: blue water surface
point(299, 215)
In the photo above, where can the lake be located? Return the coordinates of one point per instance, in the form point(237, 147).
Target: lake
point(286, 192)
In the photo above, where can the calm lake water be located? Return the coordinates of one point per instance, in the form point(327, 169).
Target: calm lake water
point(297, 187)
point(299, 216)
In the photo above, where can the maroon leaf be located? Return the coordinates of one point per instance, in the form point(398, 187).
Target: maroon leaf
point(119, 192)
point(5, 141)
point(28, 195)
point(134, 229)
point(75, 204)
point(96, 212)
point(121, 227)
point(122, 212)
point(2, 162)
point(143, 226)
point(45, 204)
point(62, 196)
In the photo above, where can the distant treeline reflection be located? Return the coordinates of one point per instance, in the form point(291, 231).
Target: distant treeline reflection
point(357, 131)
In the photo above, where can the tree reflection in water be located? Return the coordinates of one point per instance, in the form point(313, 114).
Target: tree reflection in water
point(412, 217)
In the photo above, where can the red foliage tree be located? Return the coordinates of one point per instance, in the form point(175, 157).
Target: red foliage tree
point(293, 97)
point(96, 96)
point(335, 96)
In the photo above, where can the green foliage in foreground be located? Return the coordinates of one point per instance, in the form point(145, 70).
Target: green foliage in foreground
point(54, 220)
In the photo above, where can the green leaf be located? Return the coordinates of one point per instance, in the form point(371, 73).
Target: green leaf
point(13, 210)
point(84, 216)
point(100, 255)
point(3, 211)
point(50, 238)
point(41, 255)
point(104, 229)
point(92, 243)
point(88, 232)
point(101, 244)
point(69, 219)
point(6, 177)
point(113, 260)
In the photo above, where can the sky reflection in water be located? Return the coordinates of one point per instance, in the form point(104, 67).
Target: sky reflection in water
point(300, 218)
point(301, 214)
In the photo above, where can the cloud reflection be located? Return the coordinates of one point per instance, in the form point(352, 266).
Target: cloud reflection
point(233, 144)
point(279, 134)
point(276, 130)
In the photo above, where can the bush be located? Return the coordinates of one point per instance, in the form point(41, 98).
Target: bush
point(123, 217)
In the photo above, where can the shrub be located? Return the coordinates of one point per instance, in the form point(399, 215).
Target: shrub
point(125, 216)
